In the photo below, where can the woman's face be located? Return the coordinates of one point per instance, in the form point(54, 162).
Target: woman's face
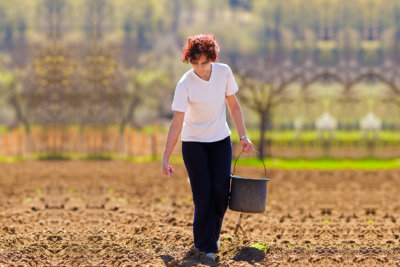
point(201, 65)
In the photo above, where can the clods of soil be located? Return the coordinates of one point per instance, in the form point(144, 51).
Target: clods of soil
point(114, 213)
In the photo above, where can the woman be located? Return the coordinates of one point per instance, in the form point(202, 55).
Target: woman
point(199, 107)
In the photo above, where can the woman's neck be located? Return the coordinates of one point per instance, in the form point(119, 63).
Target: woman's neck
point(206, 76)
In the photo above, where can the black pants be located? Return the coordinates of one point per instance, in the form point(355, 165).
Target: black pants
point(209, 168)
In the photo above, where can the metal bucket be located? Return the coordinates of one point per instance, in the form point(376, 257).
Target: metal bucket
point(248, 194)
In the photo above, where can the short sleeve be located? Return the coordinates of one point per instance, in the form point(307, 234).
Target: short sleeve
point(231, 85)
point(180, 101)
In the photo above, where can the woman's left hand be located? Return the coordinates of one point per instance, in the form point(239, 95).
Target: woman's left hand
point(247, 145)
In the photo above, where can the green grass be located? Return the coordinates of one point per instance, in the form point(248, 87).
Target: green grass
point(3, 129)
point(141, 159)
point(60, 156)
point(349, 137)
point(99, 156)
point(260, 246)
point(8, 159)
point(290, 164)
point(323, 164)
point(316, 164)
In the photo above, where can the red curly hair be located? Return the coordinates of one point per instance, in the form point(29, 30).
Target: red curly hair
point(198, 44)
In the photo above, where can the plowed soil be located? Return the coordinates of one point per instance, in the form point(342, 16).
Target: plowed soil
point(126, 214)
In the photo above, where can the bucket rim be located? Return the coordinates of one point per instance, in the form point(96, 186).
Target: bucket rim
point(252, 179)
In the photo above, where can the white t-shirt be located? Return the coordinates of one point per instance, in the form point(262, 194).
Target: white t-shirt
point(204, 104)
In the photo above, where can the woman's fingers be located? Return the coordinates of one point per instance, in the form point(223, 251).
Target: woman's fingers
point(251, 146)
point(167, 169)
point(247, 146)
point(170, 169)
point(165, 172)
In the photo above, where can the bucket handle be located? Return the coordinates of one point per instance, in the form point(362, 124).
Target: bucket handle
point(265, 170)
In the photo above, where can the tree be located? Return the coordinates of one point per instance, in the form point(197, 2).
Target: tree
point(102, 86)
point(262, 90)
point(9, 91)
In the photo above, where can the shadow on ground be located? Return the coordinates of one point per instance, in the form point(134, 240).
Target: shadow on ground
point(249, 254)
point(192, 258)
point(166, 259)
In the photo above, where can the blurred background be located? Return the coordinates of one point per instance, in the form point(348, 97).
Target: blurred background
point(96, 78)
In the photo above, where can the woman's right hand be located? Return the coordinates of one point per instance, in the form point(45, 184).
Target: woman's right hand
point(166, 168)
point(247, 145)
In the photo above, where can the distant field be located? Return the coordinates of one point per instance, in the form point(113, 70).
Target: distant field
point(276, 136)
point(287, 136)
point(295, 150)
point(324, 164)
point(288, 164)
point(317, 164)
point(313, 136)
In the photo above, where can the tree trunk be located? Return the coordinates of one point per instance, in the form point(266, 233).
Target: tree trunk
point(82, 146)
point(122, 126)
point(126, 118)
point(263, 128)
point(20, 116)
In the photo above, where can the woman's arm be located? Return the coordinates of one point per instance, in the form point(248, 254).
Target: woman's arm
point(175, 129)
point(237, 116)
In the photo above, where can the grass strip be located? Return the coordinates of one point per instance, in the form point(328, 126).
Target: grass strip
point(290, 164)
point(324, 164)
point(317, 164)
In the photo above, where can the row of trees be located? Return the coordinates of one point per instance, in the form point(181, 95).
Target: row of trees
point(99, 62)
point(92, 88)
point(266, 86)
point(326, 31)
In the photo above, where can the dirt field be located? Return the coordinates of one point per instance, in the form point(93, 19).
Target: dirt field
point(125, 214)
